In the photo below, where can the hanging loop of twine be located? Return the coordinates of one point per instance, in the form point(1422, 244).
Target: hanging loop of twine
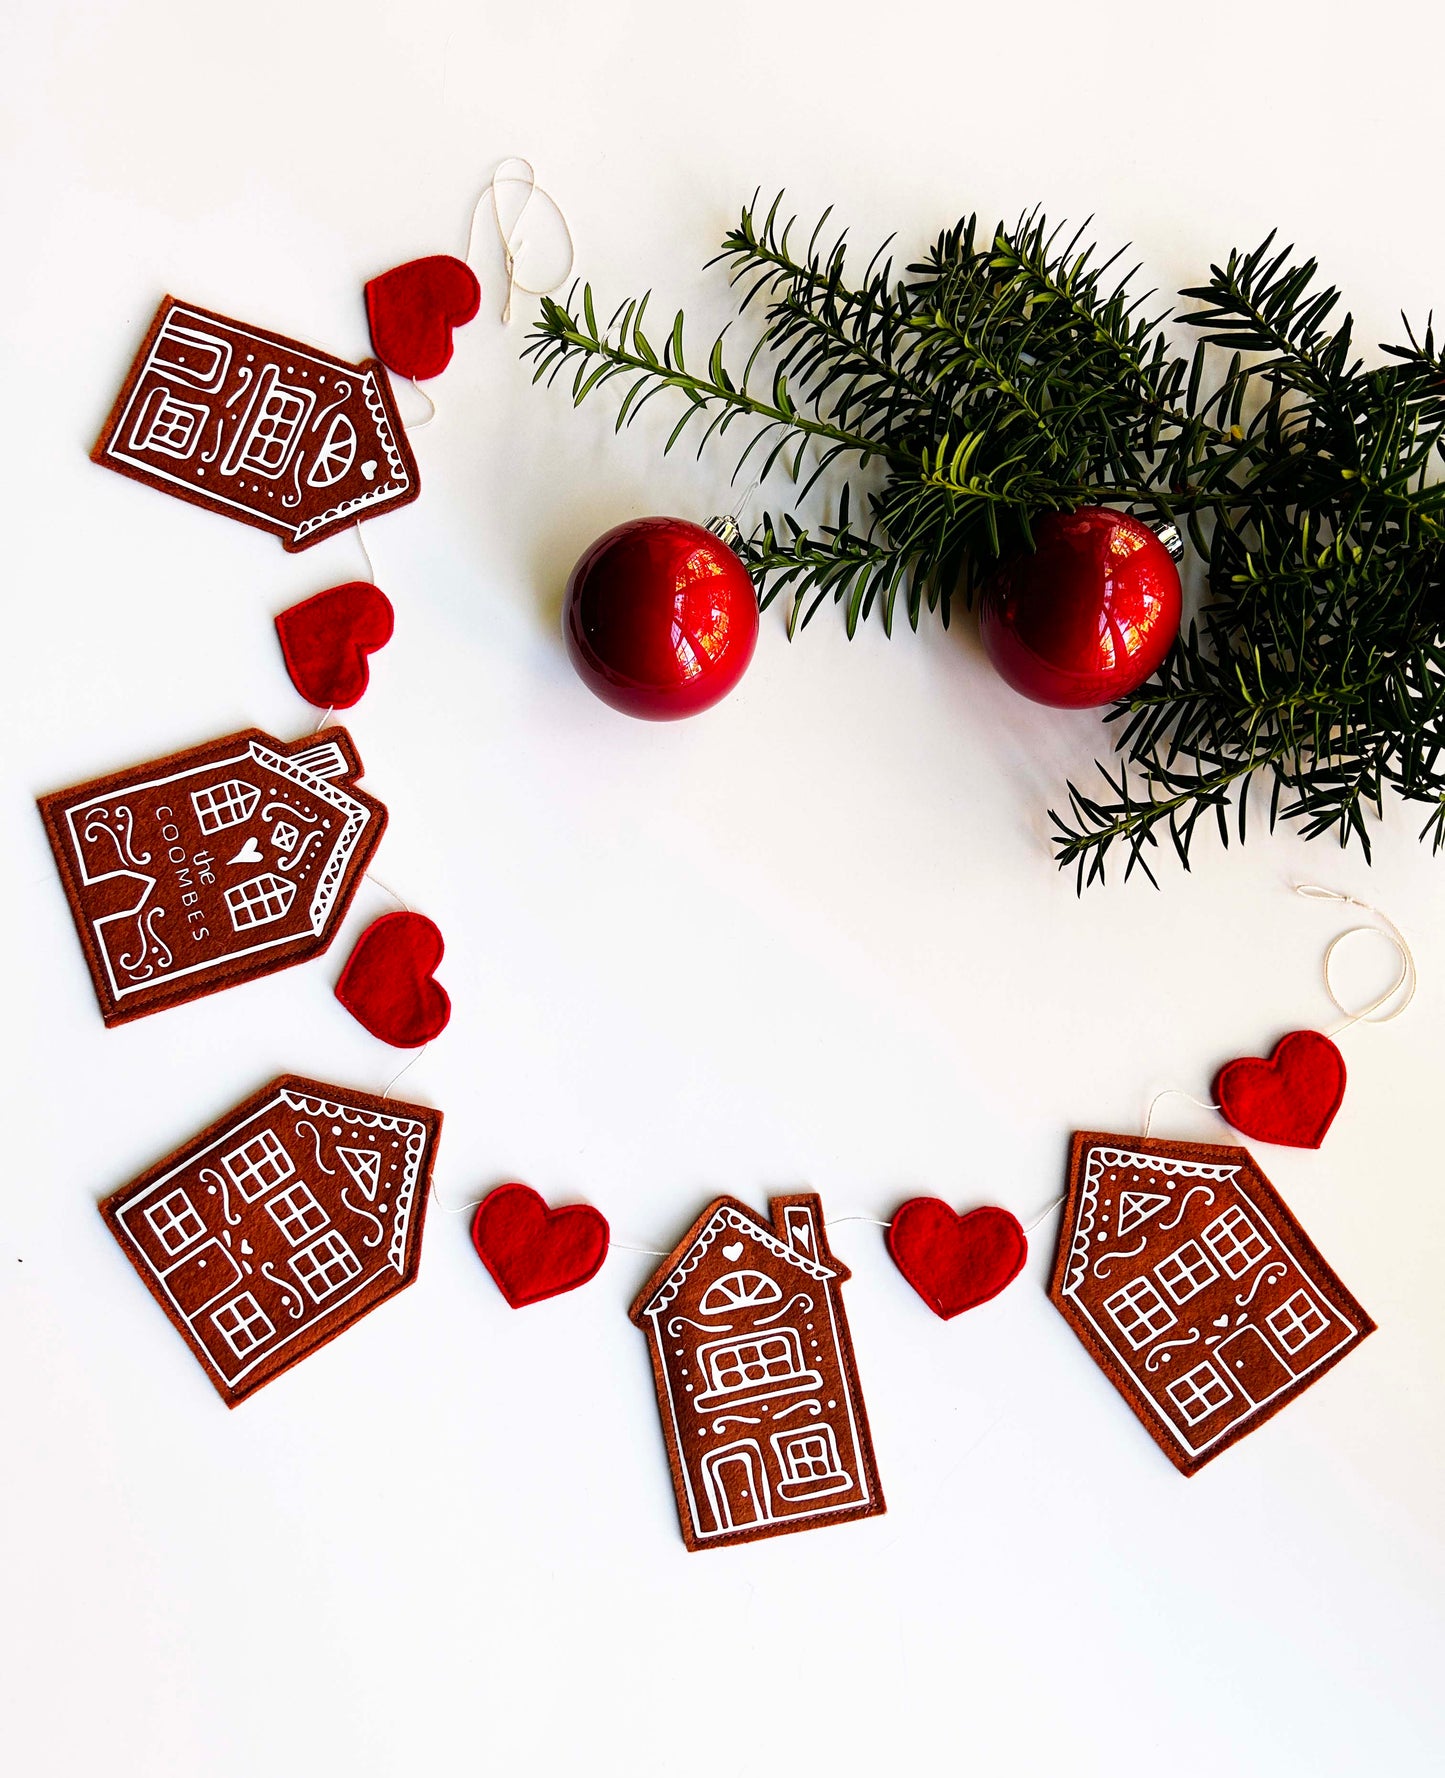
point(1407, 979)
point(512, 244)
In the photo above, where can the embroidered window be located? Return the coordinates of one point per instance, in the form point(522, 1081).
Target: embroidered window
point(326, 1265)
point(1140, 1312)
point(274, 431)
point(296, 1213)
point(1297, 1321)
point(169, 426)
point(243, 1324)
point(747, 1364)
point(1186, 1271)
point(258, 1164)
point(1235, 1242)
point(223, 805)
point(738, 1290)
point(1199, 1392)
point(259, 900)
point(175, 1221)
point(809, 1456)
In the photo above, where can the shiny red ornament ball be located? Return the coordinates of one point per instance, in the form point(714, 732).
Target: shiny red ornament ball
point(1086, 616)
point(660, 619)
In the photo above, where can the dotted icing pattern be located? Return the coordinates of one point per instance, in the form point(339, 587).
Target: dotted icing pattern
point(399, 483)
point(1102, 1158)
point(725, 1219)
point(414, 1135)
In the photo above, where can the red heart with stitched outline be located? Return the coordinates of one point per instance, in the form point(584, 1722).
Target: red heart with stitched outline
point(413, 309)
point(534, 1251)
point(387, 984)
point(956, 1262)
point(1290, 1099)
point(325, 641)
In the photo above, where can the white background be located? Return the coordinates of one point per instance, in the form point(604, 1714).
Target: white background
point(813, 938)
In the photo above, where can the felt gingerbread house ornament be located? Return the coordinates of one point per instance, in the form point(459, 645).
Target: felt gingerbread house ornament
point(211, 866)
point(271, 1232)
point(1195, 1290)
point(762, 1413)
point(258, 427)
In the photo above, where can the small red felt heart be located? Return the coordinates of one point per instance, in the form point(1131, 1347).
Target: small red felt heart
point(325, 641)
point(387, 983)
point(1290, 1099)
point(534, 1251)
point(413, 309)
point(956, 1262)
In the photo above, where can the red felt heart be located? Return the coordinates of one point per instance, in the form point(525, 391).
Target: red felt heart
point(1292, 1098)
point(325, 641)
point(413, 309)
point(533, 1251)
point(387, 983)
point(956, 1262)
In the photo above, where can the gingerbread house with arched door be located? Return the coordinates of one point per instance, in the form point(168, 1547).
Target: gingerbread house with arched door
point(757, 1386)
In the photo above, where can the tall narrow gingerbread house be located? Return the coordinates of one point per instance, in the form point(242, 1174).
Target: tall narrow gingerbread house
point(275, 1229)
point(258, 427)
point(762, 1413)
point(1195, 1290)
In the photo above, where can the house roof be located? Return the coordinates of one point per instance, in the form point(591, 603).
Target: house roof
point(720, 1216)
point(1102, 1151)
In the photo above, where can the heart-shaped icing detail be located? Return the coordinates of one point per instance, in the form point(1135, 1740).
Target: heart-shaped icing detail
point(325, 641)
point(250, 853)
point(1220, 1321)
point(413, 309)
point(368, 470)
point(733, 1250)
point(533, 1251)
point(956, 1262)
point(1290, 1099)
point(388, 986)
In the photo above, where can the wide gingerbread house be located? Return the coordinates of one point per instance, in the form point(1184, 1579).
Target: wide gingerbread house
point(212, 866)
point(1195, 1290)
point(762, 1413)
point(274, 1230)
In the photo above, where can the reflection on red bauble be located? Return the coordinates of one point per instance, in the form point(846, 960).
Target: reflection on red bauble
point(660, 619)
point(1086, 616)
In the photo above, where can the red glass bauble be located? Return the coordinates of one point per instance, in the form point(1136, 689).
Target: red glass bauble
point(1086, 616)
point(661, 618)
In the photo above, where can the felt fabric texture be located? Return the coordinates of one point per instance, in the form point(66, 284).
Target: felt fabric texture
point(257, 427)
point(1290, 1099)
point(388, 985)
point(413, 310)
point(757, 1386)
point(273, 1230)
point(325, 641)
point(212, 866)
point(533, 1251)
point(1195, 1290)
point(956, 1262)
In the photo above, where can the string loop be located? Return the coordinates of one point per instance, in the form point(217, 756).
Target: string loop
point(512, 245)
point(1407, 979)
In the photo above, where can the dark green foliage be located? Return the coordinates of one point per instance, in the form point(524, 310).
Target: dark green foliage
point(1012, 374)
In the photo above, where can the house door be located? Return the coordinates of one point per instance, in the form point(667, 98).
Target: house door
point(1250, 1362)
point(737, 1487)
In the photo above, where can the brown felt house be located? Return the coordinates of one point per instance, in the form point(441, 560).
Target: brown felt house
point(756, 1382)
point(1195, 1290)
point(275, 1229)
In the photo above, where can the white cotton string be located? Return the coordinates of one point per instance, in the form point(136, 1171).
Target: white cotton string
point(512, 245)
point(386, 1090)
point(324, 720)
point(387, 889)
point(420, 425)
point(370, 570)
point(1407, 979)
point(1047, 1210)
point(1173, 1093)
